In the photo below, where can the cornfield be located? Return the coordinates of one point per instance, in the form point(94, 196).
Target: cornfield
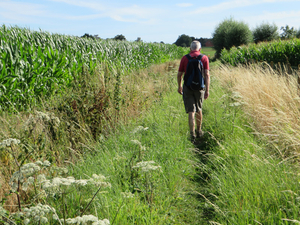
point(283, 52)
point(38, 64)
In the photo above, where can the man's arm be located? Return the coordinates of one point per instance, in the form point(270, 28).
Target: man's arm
point(179, 81)
point(207, 83)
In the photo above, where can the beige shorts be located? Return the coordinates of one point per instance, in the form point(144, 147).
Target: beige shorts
point(193, 100)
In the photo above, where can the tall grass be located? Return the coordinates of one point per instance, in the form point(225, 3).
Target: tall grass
point(247, 170)
point(272, 100)
point(159, 193)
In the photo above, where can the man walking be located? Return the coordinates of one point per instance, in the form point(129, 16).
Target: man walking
point(192, 99)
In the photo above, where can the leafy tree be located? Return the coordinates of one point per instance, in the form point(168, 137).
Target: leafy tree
point(231, 33)
point(183, 41)
point(287, 32)
point(298, 33)
point(120, 37)
point(86, 35)
point(265, 32)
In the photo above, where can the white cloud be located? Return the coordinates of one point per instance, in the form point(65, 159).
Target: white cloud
point(283, 18)
point(234, 4)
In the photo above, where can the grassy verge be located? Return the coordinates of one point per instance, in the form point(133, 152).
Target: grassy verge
point(161, 195)
point(137, 169)
point(242, 177)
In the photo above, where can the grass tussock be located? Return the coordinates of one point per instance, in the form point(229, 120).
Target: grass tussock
point(271, 99)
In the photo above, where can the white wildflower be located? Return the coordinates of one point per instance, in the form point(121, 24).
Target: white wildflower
point(236, 95)
point(44, 220)
point(41, 178)
point(139, 129)
point(81, 182)
point(38, 213)
point(9, 142)
point(235, 104)
point(46, 163)
point(43, 116)
point(26, 221)
point(86, 219)
point(136, 142)
point(146, 166)
point(99, 181)
point(143, 148)
point(127, 194)
point(39, 163)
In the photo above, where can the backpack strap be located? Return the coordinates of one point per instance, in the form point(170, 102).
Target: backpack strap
point(200, 56)
point(188, 57)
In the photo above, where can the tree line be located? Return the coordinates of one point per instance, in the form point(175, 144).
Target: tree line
point(231, 33)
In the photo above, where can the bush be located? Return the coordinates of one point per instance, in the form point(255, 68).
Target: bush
point(231, 33)
point(298, 33)
point(265, 32)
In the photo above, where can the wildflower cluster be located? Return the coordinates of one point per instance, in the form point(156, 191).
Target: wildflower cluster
point(147, 166)
point(47, 118)
point(36, 214)
point(86, 219)
point(143, 148)
point(25, 175)
point(127, 194)
point(237, 97)
point(58, 183)
point(9, 142)
point(139, 129)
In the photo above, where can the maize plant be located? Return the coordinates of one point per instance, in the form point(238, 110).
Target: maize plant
point(276, 51)
point(36, 64)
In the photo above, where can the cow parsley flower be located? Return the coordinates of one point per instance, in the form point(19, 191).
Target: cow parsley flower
point(25, 172)
point(147, 166)
point(36, 213)
point(10, 141)
point(86, 219)
point(139, 129)
point(127, 194)
point(99, 181)
point(143, 148)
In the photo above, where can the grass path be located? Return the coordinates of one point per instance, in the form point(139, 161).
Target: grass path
point(162, 195)
point(230, 177)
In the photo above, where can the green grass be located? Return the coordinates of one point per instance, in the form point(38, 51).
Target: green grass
point(161, 197)
point(230, 177)
point(243, 180)
point(209, 51)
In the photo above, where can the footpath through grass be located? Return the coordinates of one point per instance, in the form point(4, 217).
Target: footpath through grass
point(150, 165)
point(230, 177)
point(242, 179)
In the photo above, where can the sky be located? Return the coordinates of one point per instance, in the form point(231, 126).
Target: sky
point(152, 21)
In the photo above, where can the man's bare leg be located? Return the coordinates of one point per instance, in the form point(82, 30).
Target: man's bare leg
point(199, 123)
point(192, 123)
point(199, 120)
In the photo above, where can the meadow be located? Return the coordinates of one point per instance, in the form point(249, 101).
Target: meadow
point(109, 143)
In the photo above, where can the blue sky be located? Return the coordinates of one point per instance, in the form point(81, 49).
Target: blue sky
point(152, 21)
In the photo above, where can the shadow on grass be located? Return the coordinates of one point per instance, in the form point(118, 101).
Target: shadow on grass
point(205, 146)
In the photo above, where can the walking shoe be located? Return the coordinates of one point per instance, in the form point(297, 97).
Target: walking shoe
point(199, 134)
point(193, 137)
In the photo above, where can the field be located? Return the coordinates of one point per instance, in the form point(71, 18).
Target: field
point(101, 137)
